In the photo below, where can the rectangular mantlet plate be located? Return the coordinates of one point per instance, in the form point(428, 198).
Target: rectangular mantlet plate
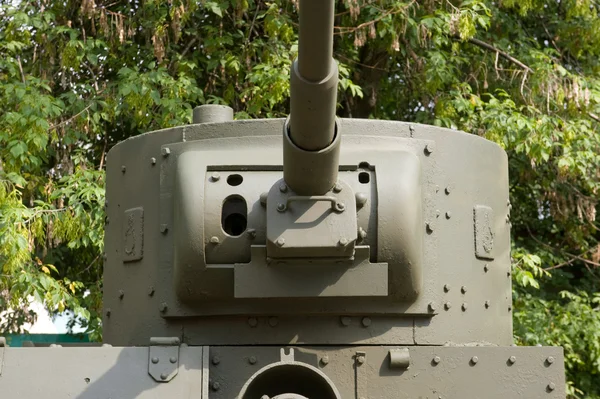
point(484, 231)
point(258, 279)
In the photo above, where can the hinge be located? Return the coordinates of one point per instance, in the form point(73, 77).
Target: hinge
point(2, 345)
point(163, 358)
point(360, 377)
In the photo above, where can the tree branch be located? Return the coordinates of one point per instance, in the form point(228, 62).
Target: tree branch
point(503, 54)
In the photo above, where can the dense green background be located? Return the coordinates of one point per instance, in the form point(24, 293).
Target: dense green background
point(77, 76)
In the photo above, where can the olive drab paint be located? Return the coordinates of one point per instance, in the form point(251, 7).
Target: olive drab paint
point(309, 257)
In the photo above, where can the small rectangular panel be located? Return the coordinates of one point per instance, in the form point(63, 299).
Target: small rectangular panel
point(484, 231)
point(258, 279)
point(133, 234)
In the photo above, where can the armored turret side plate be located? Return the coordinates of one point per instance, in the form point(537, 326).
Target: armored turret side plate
point(99, 373)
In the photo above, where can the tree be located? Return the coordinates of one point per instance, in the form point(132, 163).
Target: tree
point(78, 76)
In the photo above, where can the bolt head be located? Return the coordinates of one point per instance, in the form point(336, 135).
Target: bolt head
point(280, 242)
point(214, 240)
point(281, 207)
point(550, 359)
point(151, 291)
point(551, 386)
point(325, 360)
point(474, 359)
point(512, 359)
point(154, 360)
point(446, 287)
point(366, 321)
point(447, 305)
point(216, 360)
point(121, 294)
point(337, 188)
point(448, 215)
point(215, 177)
point(215, 386)
point(361, 199)
point(428, 149)
point(163, 307)
point(108, 312)
point(283, 188)
point(340, 206)
point(487, 304)
point(252, 321)
point(153, 161)
point(345, 320)
point(463, 289)
point(432, 306)
point(251, 233)
point(464, 307)
point(164, 376)
point(360, 359)
point(437, 360)
point(486, 268)
point(164, 228)
point(123, 169)
point(165, 151)
point(447, 190)
point(173, 359)
point(429, 228)
point(252, 360)
point(273, 321)
point(343, 242)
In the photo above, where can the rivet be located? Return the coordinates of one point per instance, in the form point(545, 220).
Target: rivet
point(463, 289)
point(273, 321)
point(105, 203)
point(432, 306)
point(154, 360)
point(251, 233)
point(447, 190)
point(104, 256)
point(325, 360)
point(345, 320)
point(280, 242)
point(428, 228)
point(164, 228)
point(163, 307)
point(281, 207)
point(486, 268)
point(123, 168)
point(165, 152)
point(153, 161)
point(252, 360)
point(487, 304)
point(343, 242)
point(510, 308)
point(214, 240)
point(121, 294)
point(361, 199)
point(337, 188)
point(215, 386)
point(437, 213)
point(252, 321)
point(360, 359)
point(447, 305)
point(437, 360)
point(550, 359)
point(366, 321)
point(151, 291)
point(446, 287)
point(464, 307)
point(263, 198)
point(216, 360)
point(448, 215)
point(474, 359)
point(551, 386)
point(428, 149)
point(362, 234)
point(283, 188)
point(173, 359)
point(107, 220)
point(215, 177)
point(340, 206)
point(512, 359)
point(163, 376)
point(108, 311)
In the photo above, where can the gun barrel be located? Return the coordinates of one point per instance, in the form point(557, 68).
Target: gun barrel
point(313, 87)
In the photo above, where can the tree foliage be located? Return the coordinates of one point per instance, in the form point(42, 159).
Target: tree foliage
point(77, 76)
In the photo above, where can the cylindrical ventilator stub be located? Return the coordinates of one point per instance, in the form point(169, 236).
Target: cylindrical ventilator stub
point(310, 172)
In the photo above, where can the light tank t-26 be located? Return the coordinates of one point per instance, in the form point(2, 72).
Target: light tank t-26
point(309, 257)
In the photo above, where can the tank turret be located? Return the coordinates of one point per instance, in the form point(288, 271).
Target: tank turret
point(270, 259)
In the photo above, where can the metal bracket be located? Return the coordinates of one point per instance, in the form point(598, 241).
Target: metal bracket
point(360, 376)
point(163, 358)
point(2, 345)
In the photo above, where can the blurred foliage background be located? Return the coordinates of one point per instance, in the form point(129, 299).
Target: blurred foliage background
point(77, 76)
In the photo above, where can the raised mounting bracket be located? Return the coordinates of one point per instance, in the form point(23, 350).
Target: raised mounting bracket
point(163, 358)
